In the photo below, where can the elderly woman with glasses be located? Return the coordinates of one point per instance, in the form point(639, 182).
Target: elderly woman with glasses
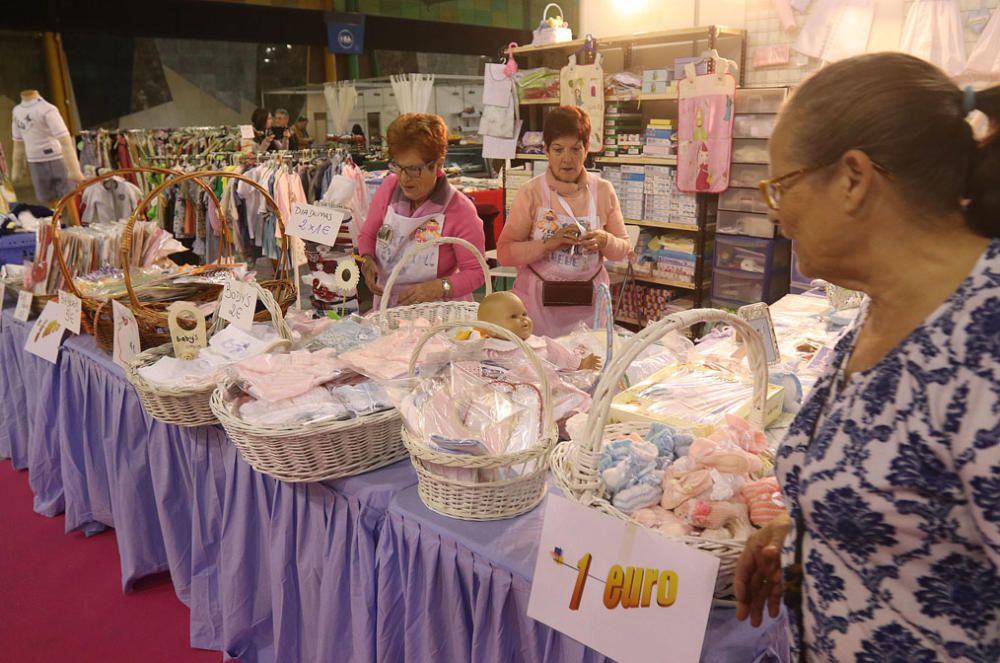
point(891, 470)
point(414, 205)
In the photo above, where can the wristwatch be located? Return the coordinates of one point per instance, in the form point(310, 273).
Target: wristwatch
point(446, 284)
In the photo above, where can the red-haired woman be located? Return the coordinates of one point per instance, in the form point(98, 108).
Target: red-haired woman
point(561, 228)
point(414, 204)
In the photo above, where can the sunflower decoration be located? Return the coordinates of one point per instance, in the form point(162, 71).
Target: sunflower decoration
point(346, 277)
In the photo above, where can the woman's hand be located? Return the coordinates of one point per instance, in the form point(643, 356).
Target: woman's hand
point(428, 291)
point(595, 241)
point(758, 578)
point(370, 270)
point(566, 236)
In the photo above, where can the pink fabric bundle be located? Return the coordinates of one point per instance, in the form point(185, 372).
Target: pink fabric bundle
point(764, 500)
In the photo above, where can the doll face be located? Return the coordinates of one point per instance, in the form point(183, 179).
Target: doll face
point(505, 309)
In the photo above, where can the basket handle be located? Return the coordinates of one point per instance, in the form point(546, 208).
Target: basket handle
point(545, 12)
point(283, 262)
point(70, 200)
point(416, 250)
point(548, 425)
point(608, 383)
point(277, 319)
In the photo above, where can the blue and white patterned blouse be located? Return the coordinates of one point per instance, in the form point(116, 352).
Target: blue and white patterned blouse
point(899, 491)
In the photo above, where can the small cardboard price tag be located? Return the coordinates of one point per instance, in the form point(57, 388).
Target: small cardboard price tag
point(46, 336)
point(315, 223)
point(246, 131)
point(127, 343)
point(187, 342)
point(72, 310)
point(650, 595)
point(23, 306)
point(239, 302)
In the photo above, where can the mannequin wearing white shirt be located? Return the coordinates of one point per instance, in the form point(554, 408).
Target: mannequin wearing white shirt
point(42, 140)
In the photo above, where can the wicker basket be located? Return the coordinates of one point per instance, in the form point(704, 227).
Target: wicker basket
point(435, 312)
point(574, 463)
point(96, 315)
point(486, 500)
point(151, 317)
point(189, 406)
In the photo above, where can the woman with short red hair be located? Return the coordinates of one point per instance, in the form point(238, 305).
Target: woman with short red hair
point(414, 204)
point(561, 227)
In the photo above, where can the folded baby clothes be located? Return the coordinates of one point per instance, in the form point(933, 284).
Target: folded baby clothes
point(388, 357)
point(362, 399)
point(764, 500)
point(315, 405)
point(344, 336)
point(280, 377)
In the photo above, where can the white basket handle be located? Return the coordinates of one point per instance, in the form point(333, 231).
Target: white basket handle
point(548, 424)
point(613, 374)
point(549, 6)
point(277, 319)
point(416, 250)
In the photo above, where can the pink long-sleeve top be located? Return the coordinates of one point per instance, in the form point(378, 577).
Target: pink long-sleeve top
point(461, 220)
point(516, 248)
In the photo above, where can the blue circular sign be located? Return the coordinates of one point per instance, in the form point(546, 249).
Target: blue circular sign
point(345, 38)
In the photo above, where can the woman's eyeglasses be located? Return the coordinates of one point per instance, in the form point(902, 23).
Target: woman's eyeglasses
point(772, 189)
point(411, 171)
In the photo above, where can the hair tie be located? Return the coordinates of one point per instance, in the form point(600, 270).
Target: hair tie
point(969, 100)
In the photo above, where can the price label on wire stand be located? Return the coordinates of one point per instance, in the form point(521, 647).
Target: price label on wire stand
point(72, 310)
point(239, 303)
point(315, 223)
point(23, 309)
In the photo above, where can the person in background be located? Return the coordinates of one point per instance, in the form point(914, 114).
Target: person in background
point(414, 204)
point(561, 228)
point(891, 470)
point(262, 120)
point(357, 138)
point(302, 138)
point(282, 134)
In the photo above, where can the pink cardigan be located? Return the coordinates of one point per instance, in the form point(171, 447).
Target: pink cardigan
point(516, 248)
point(461, 220)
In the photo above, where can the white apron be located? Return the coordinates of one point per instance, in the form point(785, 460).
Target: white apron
point(396, 236)
point(566, 264)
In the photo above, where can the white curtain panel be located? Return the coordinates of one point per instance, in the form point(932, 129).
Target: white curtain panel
point(341, 97)
point(413, 92)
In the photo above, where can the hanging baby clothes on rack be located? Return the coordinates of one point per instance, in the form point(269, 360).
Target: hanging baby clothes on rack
point(984, 61)
point(836, 29)
point(112, 200)
point(933, 31)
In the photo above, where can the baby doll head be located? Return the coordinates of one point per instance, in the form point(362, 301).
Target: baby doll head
point(505, 309)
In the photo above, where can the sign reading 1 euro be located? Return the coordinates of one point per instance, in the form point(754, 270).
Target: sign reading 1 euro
point(315, 223)
point(619, 588)
point(345, 33)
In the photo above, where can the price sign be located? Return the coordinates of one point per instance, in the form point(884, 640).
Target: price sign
point(246, 131)
point(650, 595)
point(315, 223)
point(126, 335)
point(72, 310)
point(45, 337)
point(239, 302)
point(23, 306)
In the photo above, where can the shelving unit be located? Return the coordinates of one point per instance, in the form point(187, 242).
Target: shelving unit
point(684, 227)
point(637, 161)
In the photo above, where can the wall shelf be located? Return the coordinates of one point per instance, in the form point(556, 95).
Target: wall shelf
point(639, 161)
point(685, 227)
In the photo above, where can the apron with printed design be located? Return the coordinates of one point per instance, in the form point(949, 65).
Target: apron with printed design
point(567, 264)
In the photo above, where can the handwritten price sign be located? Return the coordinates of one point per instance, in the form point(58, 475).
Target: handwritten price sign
point(23, 309)
point(315, 223)
point(126, 335)
point(72, 310)
point(649, 594)
point(239, 302)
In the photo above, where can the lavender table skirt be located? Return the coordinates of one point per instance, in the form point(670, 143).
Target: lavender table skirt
point(350, 570)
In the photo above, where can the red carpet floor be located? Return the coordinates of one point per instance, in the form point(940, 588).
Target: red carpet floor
point(61, 598)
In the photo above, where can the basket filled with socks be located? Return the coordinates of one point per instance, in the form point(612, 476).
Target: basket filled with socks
point(708, 490)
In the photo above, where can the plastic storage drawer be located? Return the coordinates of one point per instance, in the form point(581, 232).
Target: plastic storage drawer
point(737, 286)
point(742, 200)
point(747, 175)
point(745, 223)
point(760, 100)
point(751, 270)
point(750, 150)
point(17, 247)
point(754, 126)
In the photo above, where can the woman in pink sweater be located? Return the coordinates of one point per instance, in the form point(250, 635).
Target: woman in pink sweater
point(561, 227)
point(415, 204)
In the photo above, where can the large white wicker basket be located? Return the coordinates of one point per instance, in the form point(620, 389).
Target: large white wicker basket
point(485, 500)
point(435, 312)
point(574, 463)
point(189, 406)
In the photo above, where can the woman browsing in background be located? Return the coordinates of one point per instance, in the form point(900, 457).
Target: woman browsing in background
point(561, 228)
point(262, 120)
point(413, 205)
point(891, 471)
